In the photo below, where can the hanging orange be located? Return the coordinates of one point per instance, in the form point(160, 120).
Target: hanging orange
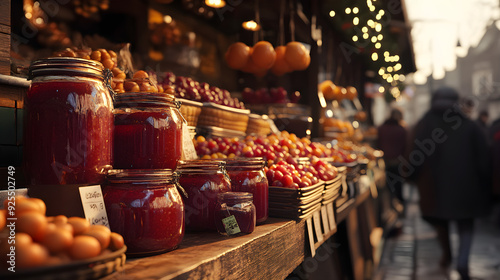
point(280, 66)
point(250, 67)
point(326, 87)
point(352, 92)
point(237, 55)
point(263, 55)
point(297, 56)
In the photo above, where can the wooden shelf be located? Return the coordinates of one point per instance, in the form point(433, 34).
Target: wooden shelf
point(344, 209)
point(272, 251)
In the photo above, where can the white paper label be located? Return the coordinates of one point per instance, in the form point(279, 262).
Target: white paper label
point(317, 225)
point(331, 217)
point(324, 219)
point(231, 225)
point(188, 150)
point(311, 236)
point(93, 205)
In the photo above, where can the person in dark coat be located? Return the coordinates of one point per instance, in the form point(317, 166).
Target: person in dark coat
point(392, 139)
point(449, 161)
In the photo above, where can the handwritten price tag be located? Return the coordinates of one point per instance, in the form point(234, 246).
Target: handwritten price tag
point(188, 150)
point(93, 205)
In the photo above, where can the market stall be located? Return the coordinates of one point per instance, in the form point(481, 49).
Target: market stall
point(233, 153)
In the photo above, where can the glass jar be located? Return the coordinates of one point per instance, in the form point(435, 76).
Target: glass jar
point(202, 180)
point(247, 175)
point(68, 124)
point(235, 213)
point(145, 207)
point(148, 131)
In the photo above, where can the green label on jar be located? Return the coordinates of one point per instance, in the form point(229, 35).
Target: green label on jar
point(231, 225)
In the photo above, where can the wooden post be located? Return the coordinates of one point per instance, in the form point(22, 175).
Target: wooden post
point(5, 37)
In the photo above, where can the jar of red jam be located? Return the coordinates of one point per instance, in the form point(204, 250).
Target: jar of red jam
point(247, 175)
point(68, 123)
point(148, 131)
point(145, 207)
point(235, 213)
point(202, 180)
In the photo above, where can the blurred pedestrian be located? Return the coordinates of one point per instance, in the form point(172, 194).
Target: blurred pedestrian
point(494, 136)
point(450, 163)
point(467, 106)
point(392, 139)
point(482, 121)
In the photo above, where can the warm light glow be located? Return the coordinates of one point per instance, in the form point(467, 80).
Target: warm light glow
point(378, 17)
point(332, 13)
point(39, 21)
point(374, 39)
point(355, 21)
point(215, 3)
point(167, 19)
point(329, 113)
point(381, 71)
point(355, 124)
point(389, 79)
point(396, 76)
point(378, 45)
point(378, 27)
point(402, 78)
point(364, 29)
point(372, 8)
point(389, 69)
point(370, 23)
point(251, 25)
point(381, 89)
point(354, 38)
point(397, 67)
point(395, 92)
point(396, 58)
point(347, 10)
point(380, 37)
point(355, 10)
point(386, 53)
point(28, 15)
point(365, 35)
point(374, 56)
point(381, 12)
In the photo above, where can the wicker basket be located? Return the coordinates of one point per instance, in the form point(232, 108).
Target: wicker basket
point(258, 124)
point(190, 110)
point(223, 117)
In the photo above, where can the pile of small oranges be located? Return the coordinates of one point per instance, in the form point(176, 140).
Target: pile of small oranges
point(46, 241)
point(263, 57)
point(333, 92)
point(140, 82)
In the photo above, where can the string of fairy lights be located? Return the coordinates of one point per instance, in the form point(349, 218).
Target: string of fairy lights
point(369, 23)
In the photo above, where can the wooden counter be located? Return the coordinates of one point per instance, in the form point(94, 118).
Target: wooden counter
point(272, 251)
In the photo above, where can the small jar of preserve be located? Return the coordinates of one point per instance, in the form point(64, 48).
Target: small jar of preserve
point(145, 207)
point(148, 131)
point(68, 134)
point(235, 213)
point(247, 175)
point(202, 180)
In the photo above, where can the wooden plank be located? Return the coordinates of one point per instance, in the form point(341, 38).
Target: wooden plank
point(4, 28)
point(355, 248)
point(4, 45)
point(12, 92)
point(4, 66)
point(272, 251)
point(6, 102)
point(5, 12)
